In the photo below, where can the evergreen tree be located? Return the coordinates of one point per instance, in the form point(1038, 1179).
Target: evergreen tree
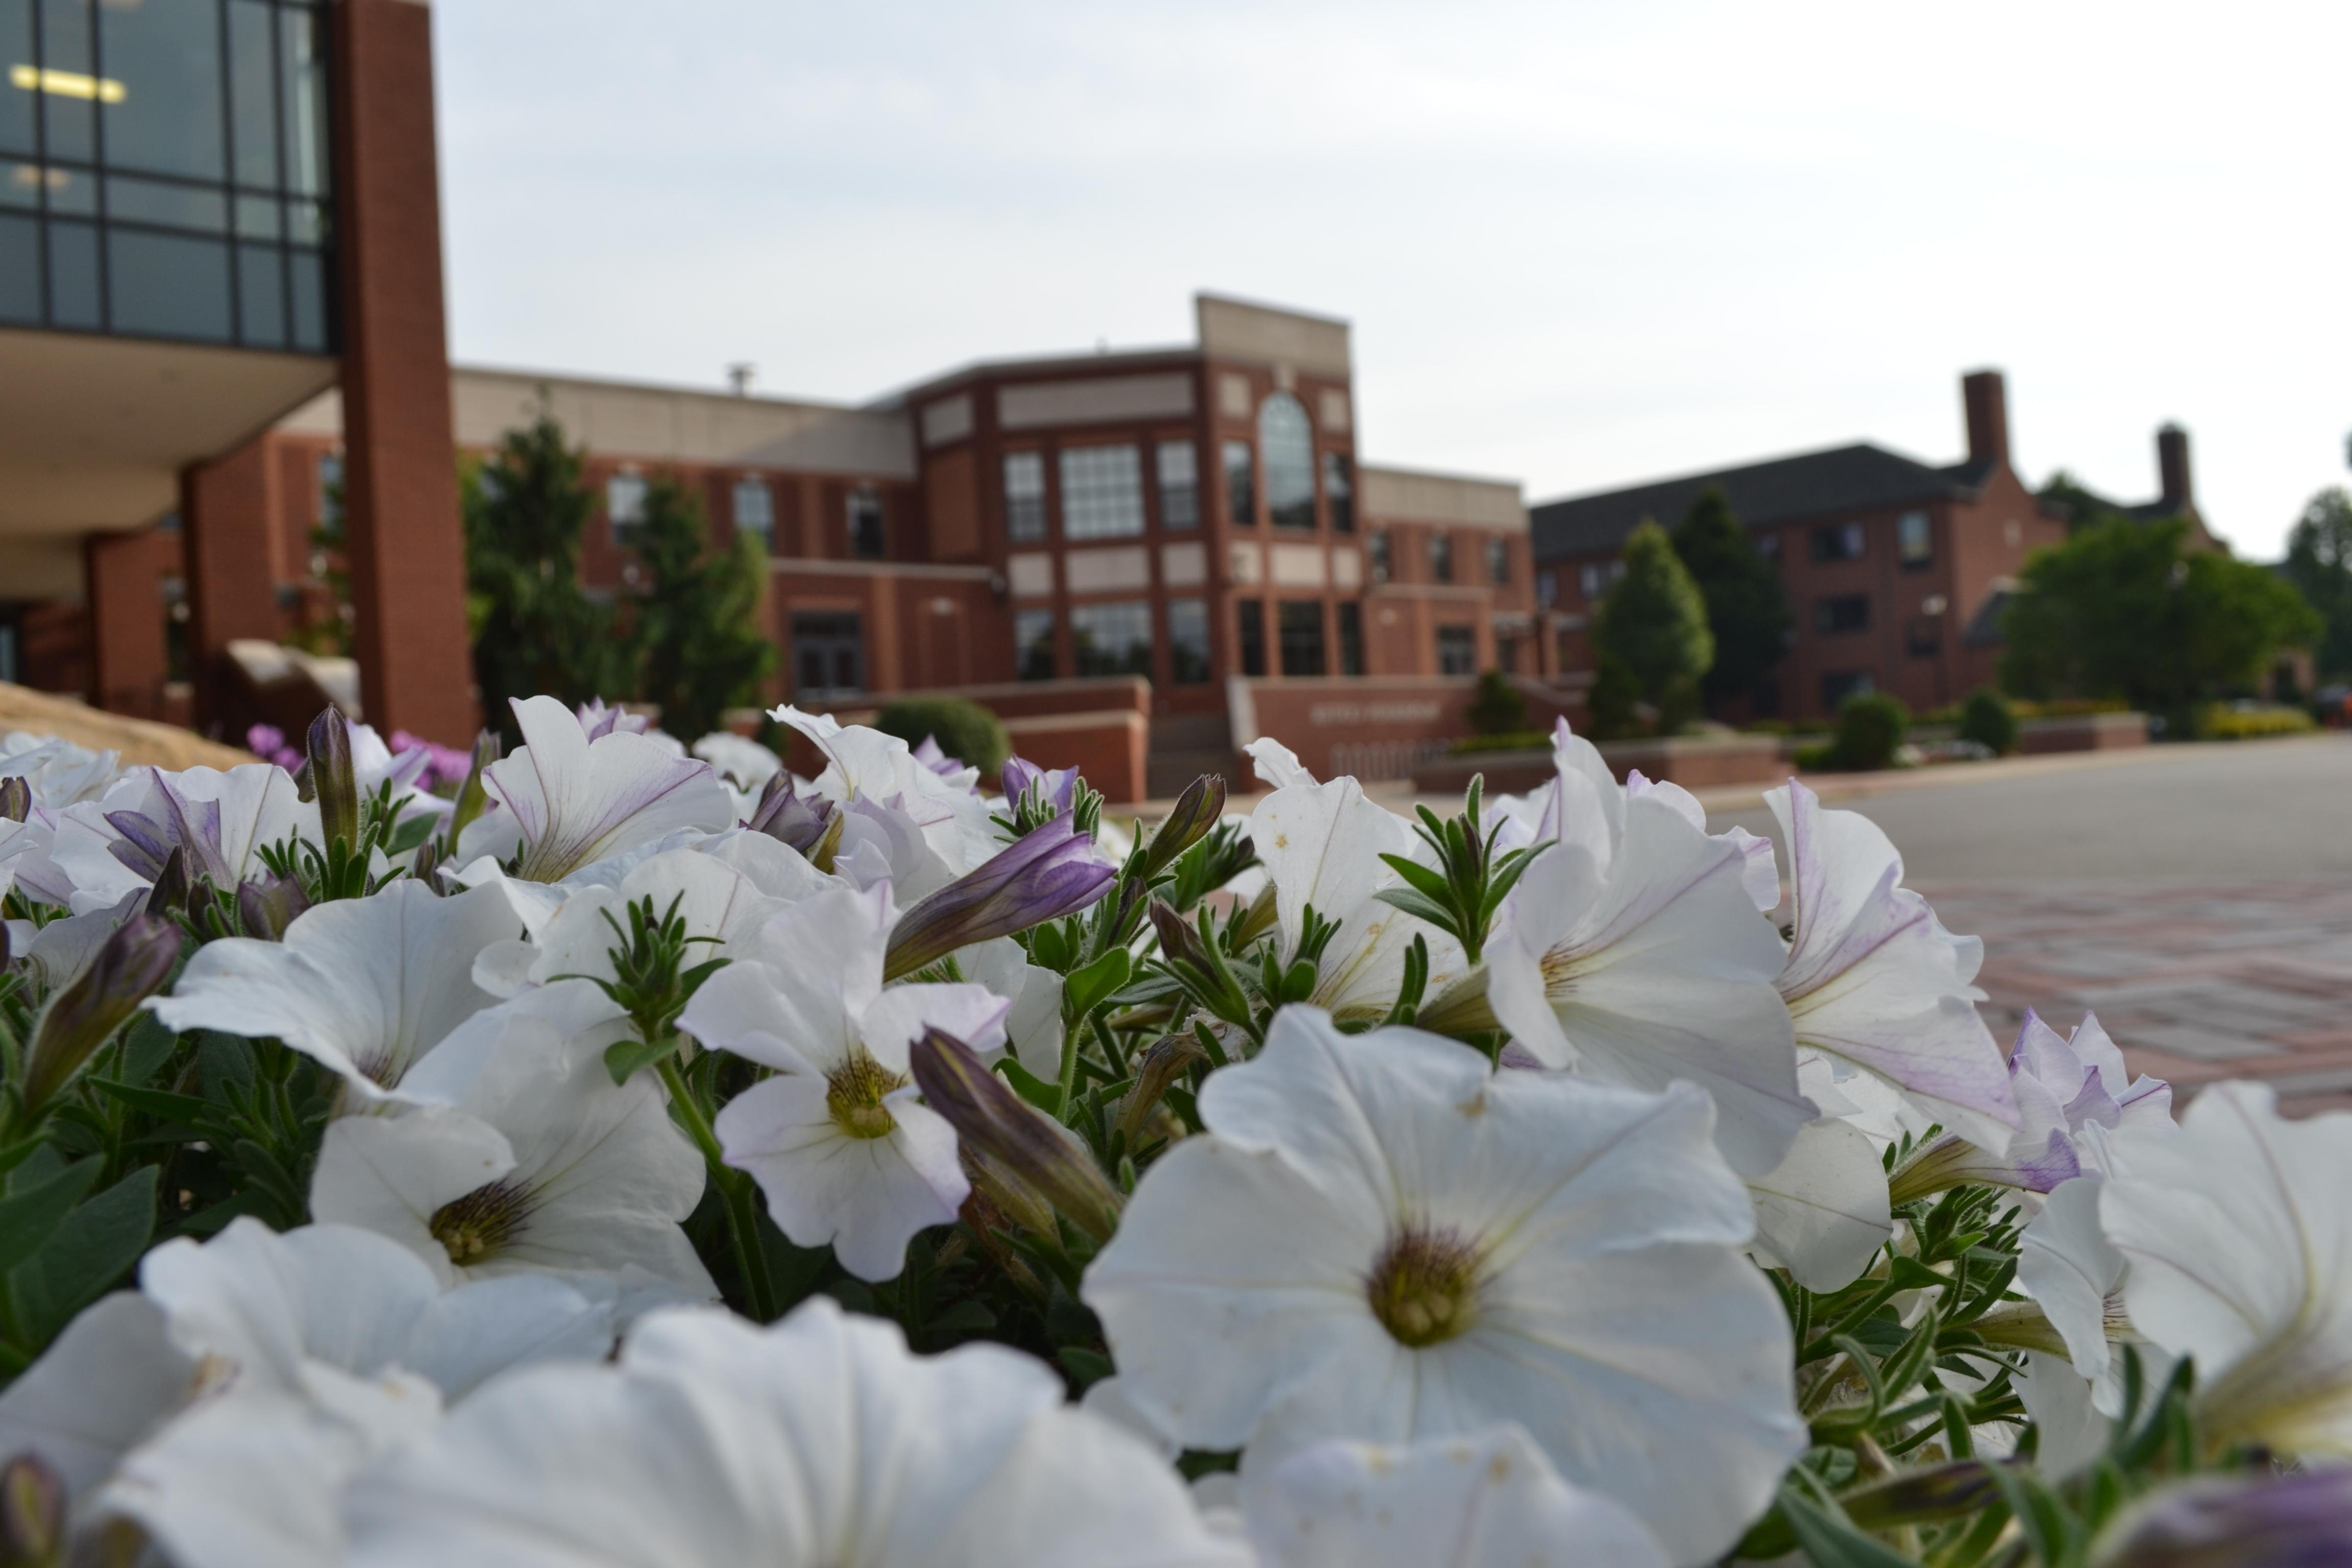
point(1746, 612)
point(2319, 563)
point(695, 630)
point(1653, 623)
point(535, 630)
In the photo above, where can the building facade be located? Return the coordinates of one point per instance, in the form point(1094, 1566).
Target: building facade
point(208, 214)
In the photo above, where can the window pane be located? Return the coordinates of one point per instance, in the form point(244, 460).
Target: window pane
point(1441, 558)
point(1111, 639)
point(1241, 487)
point(1837, 688)
point(1025, 497)
point(1378, 546)
point(1352, 639)
point(67, 90)
point(1844, 613)
point(1250, 615)
point(73, 275)
point(166, 286)
point(71, 191)
point(256, 217)
point(754, 507)
point(1300, 622)
point(20, 269)
point(1498, 561)
point(16, 105)
point(1033, 645)
point(624, 504)
point(866, 538)
point(1286, 442)
point(253, 94)
point(306, 223)
point(1188, 641)
point(261, 296)
point(828, 653)
point(1839, 541)
point(307, 269)
point(168, 116)
point(302, 75)
point(20, 186)
point(174, 207)
point(1339, 491)
point(1914, 539)
point(1102, 492)
point(1179, 485)
point(1457, 650)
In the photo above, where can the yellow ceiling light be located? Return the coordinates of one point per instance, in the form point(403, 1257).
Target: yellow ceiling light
point(67, 84)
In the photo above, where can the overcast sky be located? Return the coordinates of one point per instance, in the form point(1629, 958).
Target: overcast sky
point(1581, 244)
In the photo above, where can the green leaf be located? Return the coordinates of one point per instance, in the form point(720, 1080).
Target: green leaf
point(1085, 1367)
point(1084, 988)
point(1045, 1097)
point(1432, 883)
point(29, 1218)
point(1830, 1542)
point(85, 1258)
point(624, 1058)
point(964, 1320)
point(411, 832)
point(1413, 904)
point(185, 1110)
point(145, 1048)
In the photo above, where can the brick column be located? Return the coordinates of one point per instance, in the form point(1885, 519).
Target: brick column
point(124, 574)
point(404, 545)
point(224, 533)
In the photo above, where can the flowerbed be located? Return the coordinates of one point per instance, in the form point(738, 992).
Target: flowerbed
point(641, 1158)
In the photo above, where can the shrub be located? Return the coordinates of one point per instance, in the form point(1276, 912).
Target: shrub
point(963, 729)
point(1613, 702)
point(1869, 729)
point(1653, 624)
point(1986, 719)
point(1510, 741)
point(2219, 722)
point(1497, 709)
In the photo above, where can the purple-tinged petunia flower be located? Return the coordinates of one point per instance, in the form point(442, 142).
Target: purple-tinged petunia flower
point(600, 720)
point(952, 769)
point(574, 795)
point(1057, 787)
point(134, 962)
point(440, 764)
point(218, 820)
point(2257, 1521)
point(1048, 872)
point(790, 818)
point(2071, 1094)
point(268, 742)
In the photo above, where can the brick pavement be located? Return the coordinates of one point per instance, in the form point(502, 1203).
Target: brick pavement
point(2194, 981)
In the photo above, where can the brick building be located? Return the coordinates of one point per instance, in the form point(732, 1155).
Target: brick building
point(1894, 568)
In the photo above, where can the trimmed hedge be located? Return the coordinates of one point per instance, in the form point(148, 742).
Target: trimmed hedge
point(964, 730)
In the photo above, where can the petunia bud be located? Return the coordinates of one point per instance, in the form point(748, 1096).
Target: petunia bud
point(135, 961)
point(16, 799)
point(1057, 788)
point(1163, 1065)
point(1048, 872)
point(267, 905)
point(1197, 810)
point(999, 1127)
point(791, 818)
point(334, 778)
point(32, 1514)
point(1179, 943)
point(471, 796)
point(168, 895)
point(2237, 1521)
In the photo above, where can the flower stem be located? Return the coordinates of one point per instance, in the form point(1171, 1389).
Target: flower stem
point(734, 1193)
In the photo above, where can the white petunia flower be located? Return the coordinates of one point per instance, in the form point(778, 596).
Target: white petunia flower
point(366, 986)
point(1873, 979)
point(58, 772)
point(1632, 949)
point(219, 821)
point(570, 802)
point(1321, 844)
point(2239, 1241)
point(843, 1154)
point(225, 1404)
point(1823, 1212)
point(865, 764)
point(743, 761)
point(529, 1157)
point(1032, 1025)
point(1378, 1239)
point(1486, 1499)
point(714, 1444)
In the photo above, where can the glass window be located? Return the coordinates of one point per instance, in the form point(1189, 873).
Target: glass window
point(1286, 442)
point(1498, 562)
point(1915, 540)
point(73, 275)
point(1838, 541)
point(17, 107)
point(1441, 557)
point(302, 95)
point(1188, 641)
point(305, 279)
point(1178, 466)
point(1033, 645)
point(1841, 613)
point(330, 489)
point(168, 206)
point(1838, 686)
point(1507, 654)
point(1241, 485)
point(1352, 637)
point(1377, 545)
point(1102, 492)
point(20, 269)
point(260, 295)
point(1923, 637)
point(1457, 650)
point(68, 83)
point(1299, 623)
point(1546, 587)
point(1250, 616)
point(253, 96)
point(1025, 497)
point(828, 654)
point(1768, 546)
point(1111, 639)
point(166, 116)
point(624, 504)
point(1339, 491)
point(754, 506)
point(866, 535)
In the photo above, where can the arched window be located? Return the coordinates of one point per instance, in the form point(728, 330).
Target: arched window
point(1285, 447)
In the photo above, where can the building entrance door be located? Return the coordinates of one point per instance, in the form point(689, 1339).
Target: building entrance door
point(828, 655)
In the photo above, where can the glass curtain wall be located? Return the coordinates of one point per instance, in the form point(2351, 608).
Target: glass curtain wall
point(165, 170)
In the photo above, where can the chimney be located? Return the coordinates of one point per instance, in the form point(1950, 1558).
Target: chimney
point(1988, 404)
point(2172, 466)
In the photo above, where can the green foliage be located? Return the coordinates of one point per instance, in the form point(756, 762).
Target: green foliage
point(1987, 719)
point(2122, 609)
point(2319, 563)
point(2083, 508)
point(1497, 709)
point(696, 636)
point(535, 630)
point(1869, 728)
point(1746, 612)
point(2225, 721)
point(963, 729)
point(1509, 741)
point(1653, 623)
point(1614, 703)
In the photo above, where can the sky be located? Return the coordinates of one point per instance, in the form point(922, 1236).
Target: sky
point(1581, 244)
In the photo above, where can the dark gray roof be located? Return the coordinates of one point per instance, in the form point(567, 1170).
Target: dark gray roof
point(1811, 484)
